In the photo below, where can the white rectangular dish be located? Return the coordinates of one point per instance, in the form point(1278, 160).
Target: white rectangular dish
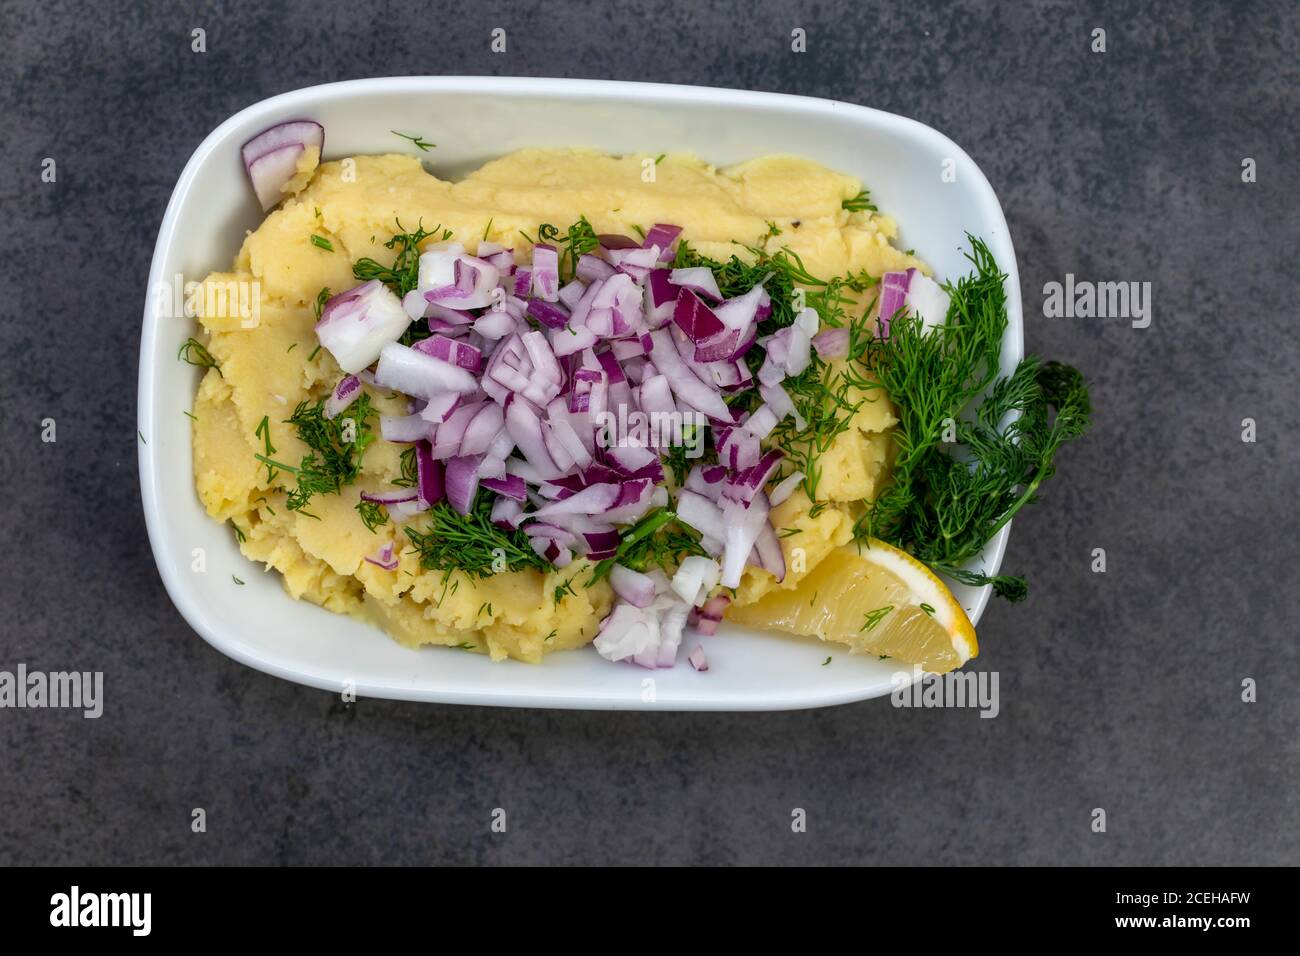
point(474, 119)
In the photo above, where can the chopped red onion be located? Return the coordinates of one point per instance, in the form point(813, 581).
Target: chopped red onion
point(546, 272)
point(355, 325)
point(385, 558)
point(663, 236)
point(785, 488)
point(698, 660)
point(429, 478)
point(632, 586)
point(699, 279)
point(418, 374)
point(271, 157)
point(462, 481)
point(832, 343)
point(345, 393)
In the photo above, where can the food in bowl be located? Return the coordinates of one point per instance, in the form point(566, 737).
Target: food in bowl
point(575, 398)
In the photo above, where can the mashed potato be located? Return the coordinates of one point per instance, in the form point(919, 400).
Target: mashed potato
point(269, 365)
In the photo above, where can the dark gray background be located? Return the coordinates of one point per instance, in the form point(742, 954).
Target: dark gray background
point(1119, 690)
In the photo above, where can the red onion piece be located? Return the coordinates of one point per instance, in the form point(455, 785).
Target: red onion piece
point(546, 272)
point(632, 586)
point(462, 481)
point(271, 157)
point(832, 343)
point(423, 376)
point(698, 660)
point(385, 558)
point(743, 525)
point(355, 325)
point(785, 488)
point(511, 486)
point(686, 386)
point(394, 496)
point(893, 295)
point(461, 354)
point(404, 428)
point(429, 477)
point(663, 236)
point(345, 393)
point(699, 279)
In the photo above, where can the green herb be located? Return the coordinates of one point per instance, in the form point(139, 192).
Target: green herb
point(410, 470)
point(563, 589)
point(467, 646)
point(404, 274)
point(263, 431)
point(472, 543)
point(416, 140)
point(789, 532)
point(322, 297)
point(320, 242)
point(551, 636)
point(825, 662)
point(236, 580)
point(189, 415)
point(657, 540)
point(488, 227)
point(195, 353)
point(141, 434)
point(292, 346)
point(372, 513)
point(660, 158)
point(860, 203)
point(313, 353)
point(947, 500)
point(927, 608)
point(875, 617)
point(579, 239)
point(239, 535)
point(638, 230)
point(332, 461)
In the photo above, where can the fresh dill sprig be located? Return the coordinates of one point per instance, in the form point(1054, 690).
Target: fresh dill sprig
point(333, 460)
point(860, 203)
point(404, 274)
point(320, 242)
point(472, 543)
point(658, 540)
point(263, 431)
point(416, 140)
point(196, 353)
point(372, 513)
point(410, 470)
point(948, 499)
point(322, 297)
point(579, 239)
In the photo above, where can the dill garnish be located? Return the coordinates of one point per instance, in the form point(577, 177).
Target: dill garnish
point(410, 470)
point(372, 513)
point(404, 274)
point(579, 239)
point(322, 297)
point(472, 543)
point(320, 242)
point(658, 540)
point(333, 461)
point(860, 203)
point(947, 500)
point(418, 141)
point(196, 353)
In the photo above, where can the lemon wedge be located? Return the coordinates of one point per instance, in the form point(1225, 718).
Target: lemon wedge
point(877, 600)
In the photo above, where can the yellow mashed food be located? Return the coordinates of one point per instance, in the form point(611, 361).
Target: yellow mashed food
point(269, 362)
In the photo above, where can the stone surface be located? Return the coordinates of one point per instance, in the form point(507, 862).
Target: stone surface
point(1119, 690)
